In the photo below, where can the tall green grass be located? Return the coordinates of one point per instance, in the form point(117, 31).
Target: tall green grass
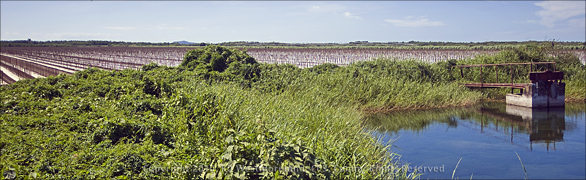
point(381, 84)
point(219, 115)
point(164, 122)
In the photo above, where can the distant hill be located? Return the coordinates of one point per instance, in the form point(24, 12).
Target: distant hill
point(184, 42)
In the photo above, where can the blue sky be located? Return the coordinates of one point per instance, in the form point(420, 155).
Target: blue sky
point(294, 21)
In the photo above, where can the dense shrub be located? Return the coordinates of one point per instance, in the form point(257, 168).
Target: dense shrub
point(222, 115)
point(322, 68)
point(215, 58)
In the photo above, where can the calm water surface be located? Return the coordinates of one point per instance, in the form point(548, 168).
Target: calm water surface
point(550, 142)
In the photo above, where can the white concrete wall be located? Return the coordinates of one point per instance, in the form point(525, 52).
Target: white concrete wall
point(553, 95)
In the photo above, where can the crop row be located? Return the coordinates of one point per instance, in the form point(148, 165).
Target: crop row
point(312, 57)
point(37, 68)
point(104, 57)
point(134, 57)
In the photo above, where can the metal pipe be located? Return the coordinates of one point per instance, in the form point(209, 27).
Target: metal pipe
point(511, 78)
point(497, 74)
point(481, 78)
point(461, 73)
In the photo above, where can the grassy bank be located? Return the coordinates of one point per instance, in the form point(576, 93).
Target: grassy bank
point(220, 114)
point(200, 120)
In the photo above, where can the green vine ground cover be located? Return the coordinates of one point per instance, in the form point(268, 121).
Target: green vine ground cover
point(222, 115)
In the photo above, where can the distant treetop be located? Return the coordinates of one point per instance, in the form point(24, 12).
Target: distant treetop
point(493, 45)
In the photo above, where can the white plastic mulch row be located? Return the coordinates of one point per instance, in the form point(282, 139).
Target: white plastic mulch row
point(9, 73)
point(44, 64)
point(33, 74)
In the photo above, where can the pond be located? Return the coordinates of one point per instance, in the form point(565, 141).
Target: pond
point(485, 140)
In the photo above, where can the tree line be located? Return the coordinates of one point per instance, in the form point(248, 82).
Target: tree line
point(356, 44)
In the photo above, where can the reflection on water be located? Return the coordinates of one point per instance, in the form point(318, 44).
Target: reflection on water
point(543, 125)
point(487, 130)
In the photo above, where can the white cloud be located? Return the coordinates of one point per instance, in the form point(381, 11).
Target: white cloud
point(314, 8)
point(411, 21)
point(120, 28)
point(327, 8)
point(335, 9)
point(554, 11)
point(72, 36)
point(577, 22)
point(350, 15)
point(166, 27)
point(11, 34)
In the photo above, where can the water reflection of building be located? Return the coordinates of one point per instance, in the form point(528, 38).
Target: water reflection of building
point(520, 126)
point(545, 125)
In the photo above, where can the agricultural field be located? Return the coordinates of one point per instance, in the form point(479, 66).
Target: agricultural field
point(305, 58)
point(31, 62)
point(220, 114)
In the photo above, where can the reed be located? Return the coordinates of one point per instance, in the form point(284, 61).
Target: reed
point(524, 170)
point(229, 118)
